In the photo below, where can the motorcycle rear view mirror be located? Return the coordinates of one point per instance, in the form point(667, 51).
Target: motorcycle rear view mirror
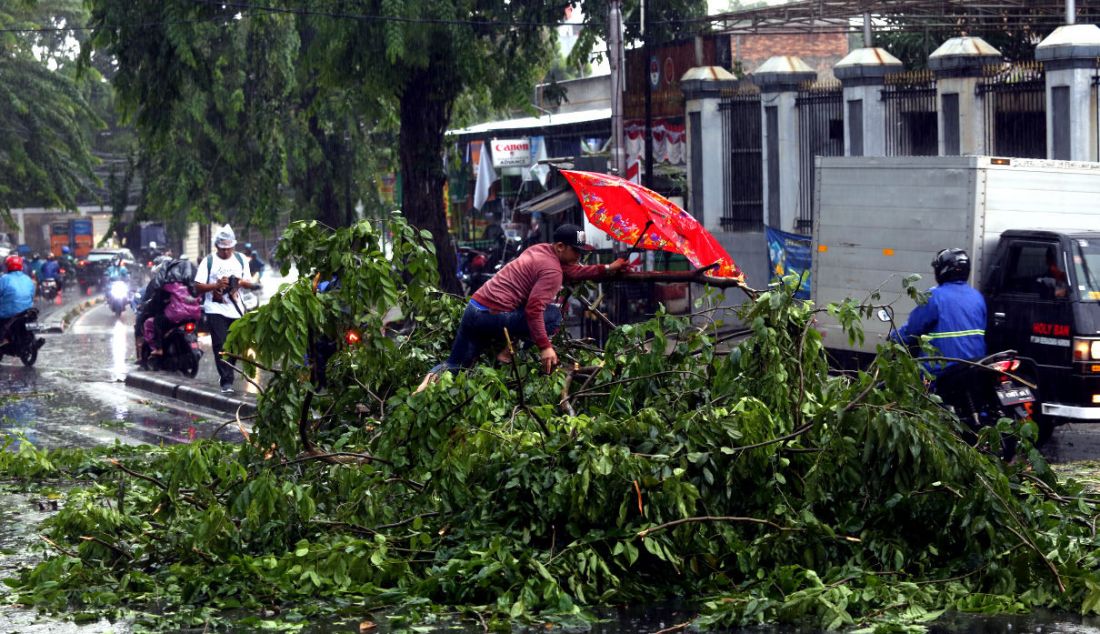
point(885, 314)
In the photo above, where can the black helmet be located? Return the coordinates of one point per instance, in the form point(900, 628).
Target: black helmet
point(951, 265)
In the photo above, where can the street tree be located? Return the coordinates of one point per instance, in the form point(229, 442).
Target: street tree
point(1015, 33)
point(45, 156)
point(246, 104)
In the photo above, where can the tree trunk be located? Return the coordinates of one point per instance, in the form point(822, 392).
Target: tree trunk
point(321, 177)
point(425, 113)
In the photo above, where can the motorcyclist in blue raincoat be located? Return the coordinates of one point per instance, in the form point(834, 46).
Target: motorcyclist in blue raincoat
point(117, 270)
point(16, 292)
point(953, 319)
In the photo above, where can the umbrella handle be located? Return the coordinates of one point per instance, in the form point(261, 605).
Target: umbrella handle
point(641, 235)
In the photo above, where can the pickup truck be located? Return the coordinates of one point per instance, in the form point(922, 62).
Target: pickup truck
point(1031, 227)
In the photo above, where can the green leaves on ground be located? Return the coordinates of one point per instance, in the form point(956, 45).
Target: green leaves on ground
point(747, 478)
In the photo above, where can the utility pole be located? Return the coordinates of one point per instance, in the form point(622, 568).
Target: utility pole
point(615, 57)
point(648, 132)
point(868, 42)
point(1071, 12)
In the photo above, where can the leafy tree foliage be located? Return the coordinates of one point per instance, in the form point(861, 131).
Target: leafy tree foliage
point(240, 102)
point(913, 39)
point(45, 119)
point(749, 480)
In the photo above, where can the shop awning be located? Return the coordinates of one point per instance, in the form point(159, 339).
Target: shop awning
point(545, 121)
point(551, 203)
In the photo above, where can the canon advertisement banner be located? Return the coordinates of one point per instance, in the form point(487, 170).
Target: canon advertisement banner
point(511, 152)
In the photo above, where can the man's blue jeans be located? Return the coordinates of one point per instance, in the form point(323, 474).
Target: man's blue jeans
point(480, 328)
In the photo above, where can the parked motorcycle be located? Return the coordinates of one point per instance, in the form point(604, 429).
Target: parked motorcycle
point(118, 296)
point(473, 269)
point(180, 346)
point(476, 266)
point(985, 391)
point(21, 342)
point(48, 289)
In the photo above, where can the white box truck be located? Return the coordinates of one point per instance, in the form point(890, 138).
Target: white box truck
point(1031, 227)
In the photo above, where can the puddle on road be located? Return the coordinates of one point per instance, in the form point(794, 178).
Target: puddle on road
point(20, 546)
point(51, 414)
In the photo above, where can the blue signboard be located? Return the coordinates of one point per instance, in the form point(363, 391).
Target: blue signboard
point(790, 254)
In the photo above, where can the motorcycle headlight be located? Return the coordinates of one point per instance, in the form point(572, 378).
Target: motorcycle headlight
point(119, 290)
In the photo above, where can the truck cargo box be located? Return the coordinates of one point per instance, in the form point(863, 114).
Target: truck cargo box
point(880, 219)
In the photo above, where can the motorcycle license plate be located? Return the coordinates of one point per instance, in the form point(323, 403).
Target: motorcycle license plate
point(1014, 395)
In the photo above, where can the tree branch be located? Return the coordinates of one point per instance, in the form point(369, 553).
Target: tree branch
point(710, 518)
point(696, 276)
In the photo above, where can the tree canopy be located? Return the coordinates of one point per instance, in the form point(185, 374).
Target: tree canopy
point(45, 119)
point(246, 108)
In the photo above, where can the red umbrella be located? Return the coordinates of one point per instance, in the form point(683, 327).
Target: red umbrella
point(639, 216)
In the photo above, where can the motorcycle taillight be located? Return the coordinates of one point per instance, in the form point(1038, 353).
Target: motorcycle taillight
point(352, 337)
point(189, 327)
point(1007, 365)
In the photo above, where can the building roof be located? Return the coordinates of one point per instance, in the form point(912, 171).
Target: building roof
point(815, 16)
point(528, 123)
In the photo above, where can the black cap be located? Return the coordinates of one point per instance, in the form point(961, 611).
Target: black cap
point(572, 235)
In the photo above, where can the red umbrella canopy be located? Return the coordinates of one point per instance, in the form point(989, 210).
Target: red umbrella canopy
point(625, 209)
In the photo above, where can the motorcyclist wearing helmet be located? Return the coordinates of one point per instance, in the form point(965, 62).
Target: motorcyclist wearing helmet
point(953, 319)
point(68, 267)
point(51, 270)
point(34, 267)
point(16, 293)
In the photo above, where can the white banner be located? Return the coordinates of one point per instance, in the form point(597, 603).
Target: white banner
point(511, 152)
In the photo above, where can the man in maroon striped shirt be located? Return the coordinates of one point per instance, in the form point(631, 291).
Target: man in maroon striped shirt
point(519, 297)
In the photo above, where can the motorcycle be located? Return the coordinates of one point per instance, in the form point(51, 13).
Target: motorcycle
point(181, 352)
point(118, 296)
point(475, 267)
point(20, 340)
point(983, 392)
point(48, 289)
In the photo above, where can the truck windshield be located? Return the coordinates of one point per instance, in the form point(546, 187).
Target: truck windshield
point(1086, 261)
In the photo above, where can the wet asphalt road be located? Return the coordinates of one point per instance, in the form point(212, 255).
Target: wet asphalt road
point(74, 396)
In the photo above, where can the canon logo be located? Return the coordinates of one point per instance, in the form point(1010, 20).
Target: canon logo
point(510, 147)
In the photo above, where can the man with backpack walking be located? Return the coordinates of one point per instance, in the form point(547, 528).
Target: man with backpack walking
point(218, 277)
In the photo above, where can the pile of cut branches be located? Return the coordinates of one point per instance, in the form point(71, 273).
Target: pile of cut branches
point(660, 466)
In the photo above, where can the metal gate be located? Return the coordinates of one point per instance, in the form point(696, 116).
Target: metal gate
point(820, 133)
point(742, 167)
point(1014, 103)
point(911, 115)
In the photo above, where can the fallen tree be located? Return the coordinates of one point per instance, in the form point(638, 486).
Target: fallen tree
point(659, 466)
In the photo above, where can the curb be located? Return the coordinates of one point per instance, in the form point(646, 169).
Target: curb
point(60, 325)
point(189, 394)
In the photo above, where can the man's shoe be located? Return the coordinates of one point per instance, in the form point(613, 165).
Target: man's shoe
point(227, 389)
